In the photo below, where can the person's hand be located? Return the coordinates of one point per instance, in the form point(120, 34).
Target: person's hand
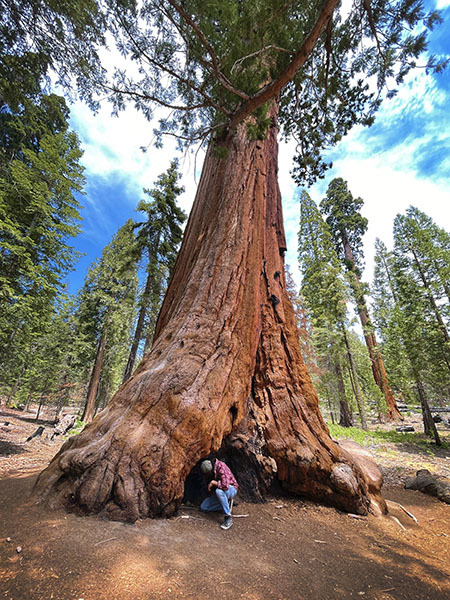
point(212, 484)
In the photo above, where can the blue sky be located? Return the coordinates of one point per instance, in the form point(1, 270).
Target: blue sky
point(403, 159)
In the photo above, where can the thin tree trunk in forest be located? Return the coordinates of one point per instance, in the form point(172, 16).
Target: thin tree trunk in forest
point(434, 307)
point(429, 425)
point(345, 414)
point(225, 370)
point(149, 287)
point(354, 380)
point(330, 409)
point(138, 331)
point(12, 393)
point(27, 402)
point(89, 407)
point(153, 318)
point(41, 401)
point(377, 363)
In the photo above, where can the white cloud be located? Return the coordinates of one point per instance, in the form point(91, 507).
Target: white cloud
point(386, 179)
point(112, 145)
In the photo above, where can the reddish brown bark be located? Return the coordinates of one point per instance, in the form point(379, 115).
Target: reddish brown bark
point(224, 373)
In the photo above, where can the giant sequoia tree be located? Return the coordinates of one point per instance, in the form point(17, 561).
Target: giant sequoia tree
point(225, 370)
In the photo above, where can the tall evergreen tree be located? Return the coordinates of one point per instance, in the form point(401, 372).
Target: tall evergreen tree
point(425, 247)
point(385, 304)
point(40, 178)
point(347, 227)
point(304, 326)
point(106, 313)
point(404, 325)
point(325, 294)
point(158, 238)
point(225, 356)
point(39, 35)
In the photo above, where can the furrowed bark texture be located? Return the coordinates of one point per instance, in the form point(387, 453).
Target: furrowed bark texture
point(225, 371)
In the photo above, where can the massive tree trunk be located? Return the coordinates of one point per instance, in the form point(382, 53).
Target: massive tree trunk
point(225, 370)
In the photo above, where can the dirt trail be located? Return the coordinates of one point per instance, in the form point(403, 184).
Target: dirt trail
point(285, 549)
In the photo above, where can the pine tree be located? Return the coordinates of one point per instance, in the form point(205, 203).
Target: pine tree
point(415, 238)
point(404, 326)
point(304, 326)
point(326, 296)
point(158, 238)
point(40, 178)
point(347, 227)
point(37, 36)
point(106, 313)
point(385, 304)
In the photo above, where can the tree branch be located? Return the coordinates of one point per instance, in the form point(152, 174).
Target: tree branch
point(143, 96)
point(215, 63)
point(275, 14)
point(274, 88)
point(368, 9)
point(241, 60)
point(167, 69)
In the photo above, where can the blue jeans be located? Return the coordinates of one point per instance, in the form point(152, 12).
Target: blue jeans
point(219, 500)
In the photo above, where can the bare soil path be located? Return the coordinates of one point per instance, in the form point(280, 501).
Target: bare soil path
point(286, 549)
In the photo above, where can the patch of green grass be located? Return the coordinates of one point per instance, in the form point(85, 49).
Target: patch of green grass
point(349, 433)
point(395, 437)
point(76, 429)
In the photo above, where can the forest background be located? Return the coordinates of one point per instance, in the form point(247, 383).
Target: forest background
point(401, 160)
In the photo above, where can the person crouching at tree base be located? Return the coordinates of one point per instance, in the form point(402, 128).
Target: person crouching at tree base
point(223, 488)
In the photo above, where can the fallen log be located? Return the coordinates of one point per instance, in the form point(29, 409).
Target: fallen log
point(430, 484)
point(39, 431)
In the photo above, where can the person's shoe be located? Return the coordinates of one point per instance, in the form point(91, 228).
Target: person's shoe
point(227, 523)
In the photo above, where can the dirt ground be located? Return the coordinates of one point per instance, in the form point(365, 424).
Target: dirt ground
point(286, 549)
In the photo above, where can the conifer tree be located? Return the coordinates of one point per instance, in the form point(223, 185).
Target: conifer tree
point(37, 36)
point(404, 325)
point(347, 227)
point(385, 305)
point(40, 178)
point(304, 326)
point(106, 313)
point(158, 238)
point(326, 296)
point(225, 356)
point(419, 241)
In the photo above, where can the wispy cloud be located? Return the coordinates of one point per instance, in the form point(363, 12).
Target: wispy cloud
point(403, 159)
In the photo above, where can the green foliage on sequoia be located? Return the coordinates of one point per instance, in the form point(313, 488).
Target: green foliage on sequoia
point(212, 62)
